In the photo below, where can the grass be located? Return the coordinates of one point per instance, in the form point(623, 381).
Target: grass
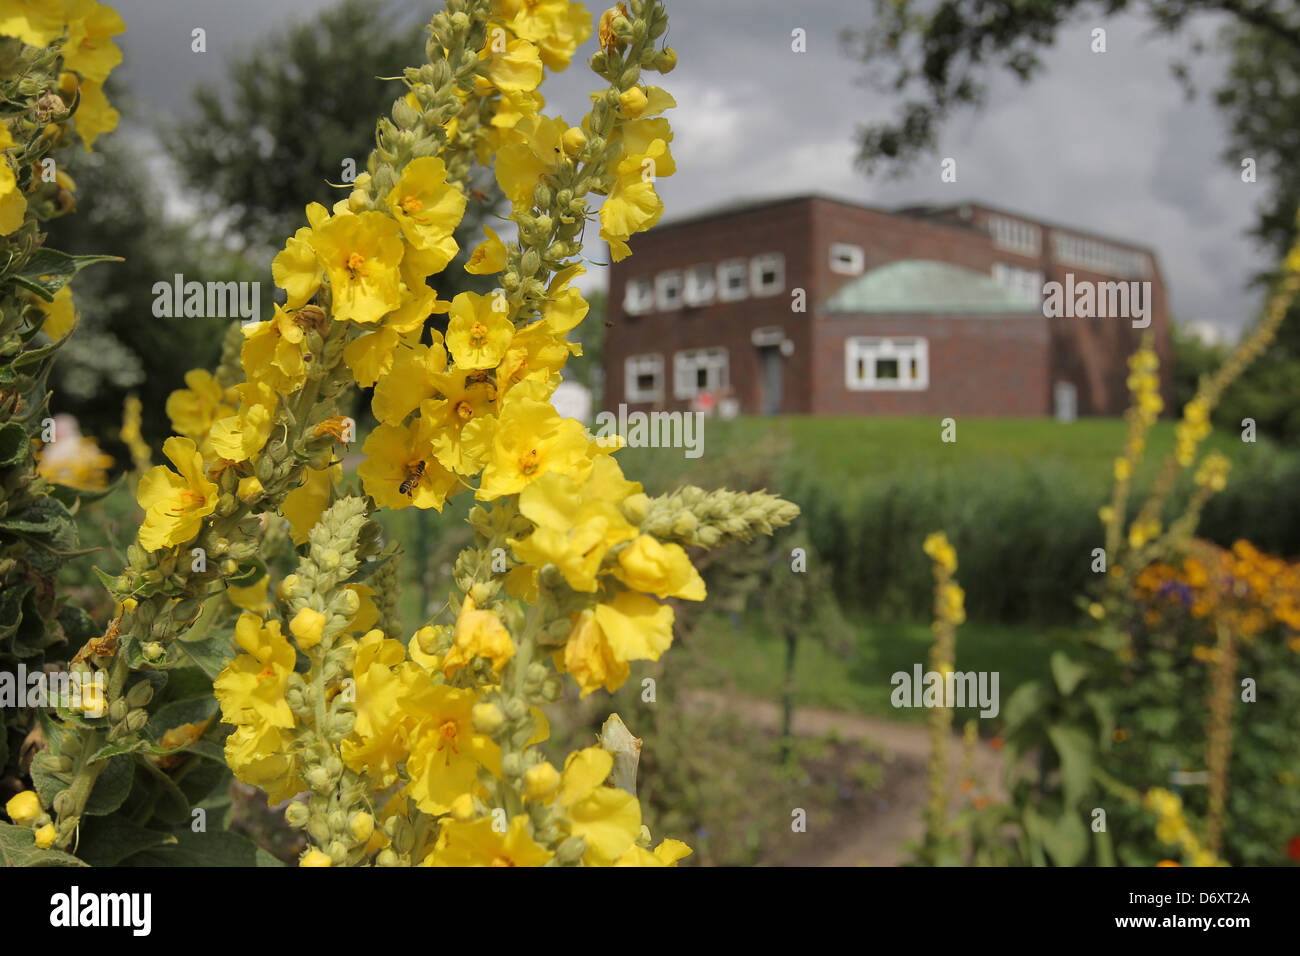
point(860, 448)
point(856, 677)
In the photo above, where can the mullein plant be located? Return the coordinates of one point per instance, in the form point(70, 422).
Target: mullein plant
point(54, 58)
point(949, 614)
point(422, 750)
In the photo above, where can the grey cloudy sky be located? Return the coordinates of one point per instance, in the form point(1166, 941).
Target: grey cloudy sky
point(1104, 142)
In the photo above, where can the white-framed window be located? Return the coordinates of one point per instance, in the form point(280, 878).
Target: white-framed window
point(1015, 236)
point(701, 285)
point(699, 370)
point(733, 280)
point(639, 296)
point(668, 290)
point(1097, 256)
point(767, 274)
point(886, 364)
point(847, 259)
point(643, 378)
point(1026, 284)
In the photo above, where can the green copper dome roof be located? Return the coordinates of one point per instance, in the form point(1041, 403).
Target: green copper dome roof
point(924, 285)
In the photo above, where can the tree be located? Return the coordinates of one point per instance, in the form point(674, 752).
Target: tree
point(938, 63)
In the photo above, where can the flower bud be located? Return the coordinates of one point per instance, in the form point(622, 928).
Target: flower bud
point(140, 694)
point(386, 858)
point(633, 102)
point(117, 710)
point(318, 830)
point(666, 60)
point(318, 779)
point(573, 141)
point(297, 815)
point(338, 821)
point(136, 720)
point(24, 808)
point(64, 803)
point(249, 488)
point(307, 627)
point(45, 836)
point(487, 718)
point(361, 826)
point(315, 857)
point(541, 780)
point(571, 850)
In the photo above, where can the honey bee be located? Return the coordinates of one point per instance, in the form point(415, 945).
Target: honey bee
point(478, 194)
point(413, 475)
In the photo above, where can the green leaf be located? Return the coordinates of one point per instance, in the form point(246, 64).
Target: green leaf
point(211, 655)
point(1067, 672)
point(111, 788)
point(215, 848)
point(18, 848)
point(107, 841)
point(48, 271)
point(15, 446)
point(1075, 750)
point(1065, 839)
point(1024, 703)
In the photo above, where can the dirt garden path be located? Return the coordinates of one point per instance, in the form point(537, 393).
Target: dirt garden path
point(875, 838)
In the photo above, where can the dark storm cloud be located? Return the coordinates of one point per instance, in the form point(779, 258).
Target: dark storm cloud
point(1106, 142)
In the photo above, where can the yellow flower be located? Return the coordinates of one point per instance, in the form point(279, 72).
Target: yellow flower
point(362, 254)
point(374, 354)
point(477, 335)
point(315, 857)
point(275, 352)
point(241, 436)
point(251, 687)
point(530, 440)
point(538, 151)
point(296, 269)
point(478, 634)
point(541, 780)
point(409, 381)
point(307, 627)
point(89, 50)
point(465, 396)
point(590, 659)
point(477, 843)
point(175, 502)
point(1123, 469)
point(666, 853)
point(446, 755)
point(305, 504)
point(25, 808)
point(517, 68)
point(608, 819)
point(632, 205)
point(391, 700)
point(13, 204)
point(252, 597)
point(428, 208)
point(400, 469)
point(75, 461)
point(663, 570)
point(939, 551)
point(489, 256)
point(39, 22)
point(95, 116)
point(193, 409)
point(61, 314)
point(557, 27)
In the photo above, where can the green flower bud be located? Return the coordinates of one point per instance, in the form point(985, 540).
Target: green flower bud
point(318, 830)
point(386, 857)
point(117, 710)
point(153, 652)
point(297, 815)
point(140, 694)
point(136, 721)
point(571, 850)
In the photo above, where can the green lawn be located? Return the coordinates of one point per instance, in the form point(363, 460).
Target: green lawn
point(865, 447)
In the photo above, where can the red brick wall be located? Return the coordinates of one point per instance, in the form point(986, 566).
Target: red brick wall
point(783, 228)
point(978, 365)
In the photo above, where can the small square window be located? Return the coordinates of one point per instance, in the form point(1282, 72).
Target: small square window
point(698, 371)
point(881, 364)
point(733, 280)
point(701, 285)
point(644, 378)
point(767, 274)
point(668, 290)
point(638, 296)
point(847, 259)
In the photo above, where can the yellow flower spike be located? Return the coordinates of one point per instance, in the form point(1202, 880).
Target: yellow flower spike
point(307, 627)
point(25, 808)
point(45, 836)
point(175, 502)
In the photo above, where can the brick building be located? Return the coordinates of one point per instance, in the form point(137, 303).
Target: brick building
point(812, 305)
